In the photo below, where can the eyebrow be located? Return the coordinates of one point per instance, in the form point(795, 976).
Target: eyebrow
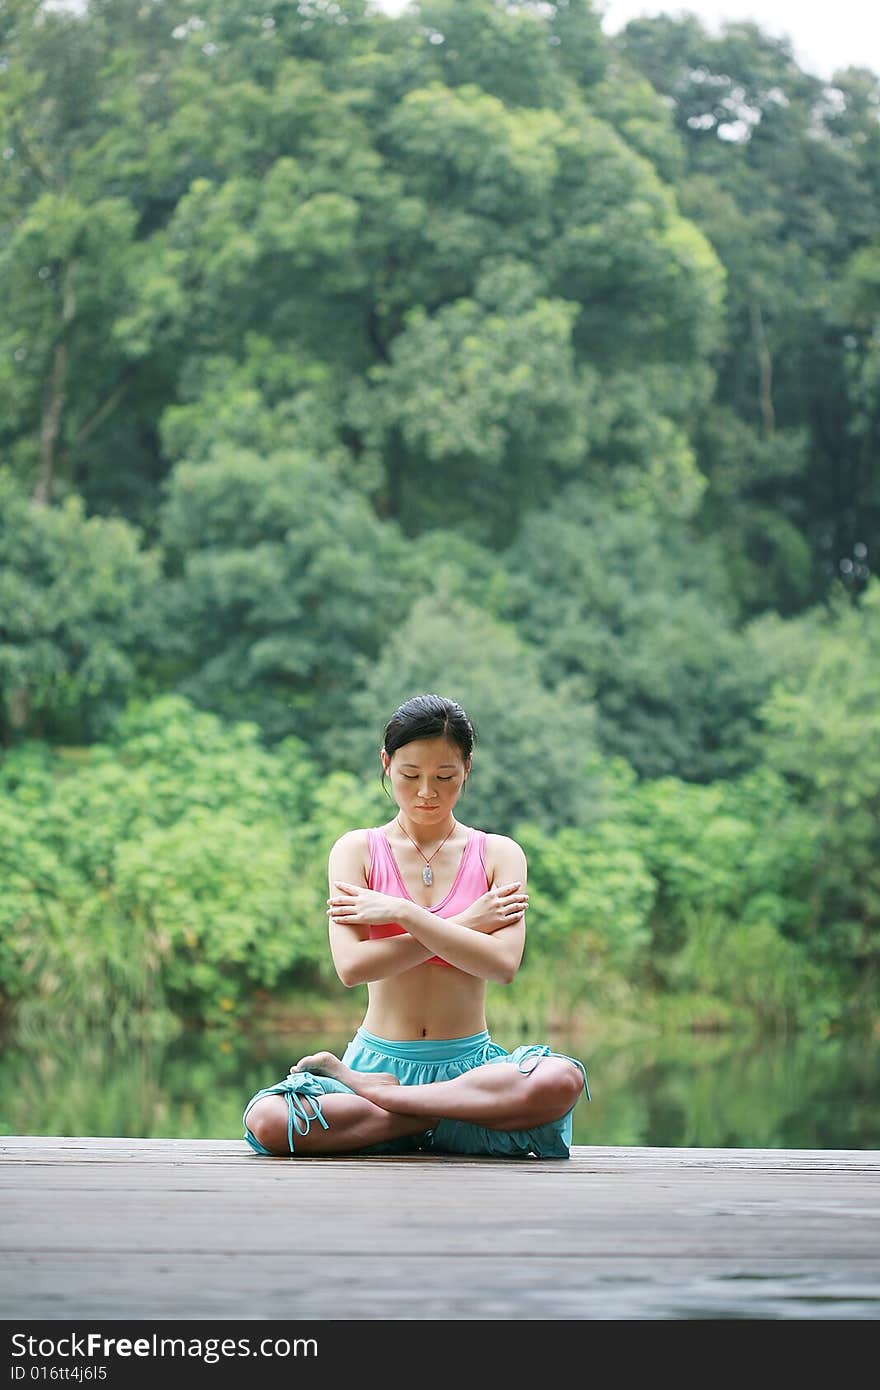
point(416, 765)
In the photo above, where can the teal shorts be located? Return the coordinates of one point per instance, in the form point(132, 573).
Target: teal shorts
point(416, 1063)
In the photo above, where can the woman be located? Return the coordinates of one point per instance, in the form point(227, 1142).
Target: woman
point(424, 910)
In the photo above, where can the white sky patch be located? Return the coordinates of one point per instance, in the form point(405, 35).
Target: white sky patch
point(825, 37)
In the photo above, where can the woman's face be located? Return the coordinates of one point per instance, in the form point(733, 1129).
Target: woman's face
point(427, 776)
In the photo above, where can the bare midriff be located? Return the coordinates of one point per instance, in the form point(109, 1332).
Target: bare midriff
point(429, 1001)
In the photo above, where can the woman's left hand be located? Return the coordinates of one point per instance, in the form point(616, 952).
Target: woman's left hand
point(352, 904)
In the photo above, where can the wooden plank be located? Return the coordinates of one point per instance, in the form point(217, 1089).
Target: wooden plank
point(205, 1229)
point(61, 1148)
point(288, 1286)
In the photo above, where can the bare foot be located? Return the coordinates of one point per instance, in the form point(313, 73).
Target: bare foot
point(326, 1064)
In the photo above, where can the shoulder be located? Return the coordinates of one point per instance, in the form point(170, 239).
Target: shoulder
point(352, 839)
point(503, 843)
point(354, 844)
point(504, 856)
point(350, 856)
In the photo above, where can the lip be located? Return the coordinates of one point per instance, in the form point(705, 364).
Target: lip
point(426, 808)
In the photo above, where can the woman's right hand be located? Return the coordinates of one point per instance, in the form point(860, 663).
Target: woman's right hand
point(501, 906)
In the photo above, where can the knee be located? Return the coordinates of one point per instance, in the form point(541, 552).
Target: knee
point(267, 1122)
point(562, 1082)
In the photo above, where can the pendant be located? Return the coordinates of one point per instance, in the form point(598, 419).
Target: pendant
point(427, 875)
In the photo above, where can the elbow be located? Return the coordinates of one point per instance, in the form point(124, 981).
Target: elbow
point(348, 976)
point(507, 970)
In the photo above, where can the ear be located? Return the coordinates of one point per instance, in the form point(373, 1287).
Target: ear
point(386, 761)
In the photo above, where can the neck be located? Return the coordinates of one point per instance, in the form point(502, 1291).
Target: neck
point(422, 835)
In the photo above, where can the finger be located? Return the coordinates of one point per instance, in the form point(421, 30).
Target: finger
point(508, 894)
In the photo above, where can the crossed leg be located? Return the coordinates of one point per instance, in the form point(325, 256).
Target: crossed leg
point(495, 1095)
point(354, 1124)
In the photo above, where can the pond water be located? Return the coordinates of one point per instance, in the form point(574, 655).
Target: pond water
point(698, 1091)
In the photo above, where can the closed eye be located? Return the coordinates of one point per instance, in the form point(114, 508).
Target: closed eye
point(413, 777)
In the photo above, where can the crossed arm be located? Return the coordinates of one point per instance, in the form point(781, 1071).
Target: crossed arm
point(486, 939)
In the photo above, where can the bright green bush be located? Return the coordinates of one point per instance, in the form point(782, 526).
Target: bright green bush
point(174, 871)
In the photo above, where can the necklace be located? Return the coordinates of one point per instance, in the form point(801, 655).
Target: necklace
point(427, 871)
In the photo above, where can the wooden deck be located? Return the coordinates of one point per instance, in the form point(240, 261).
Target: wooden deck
point(205, 1229)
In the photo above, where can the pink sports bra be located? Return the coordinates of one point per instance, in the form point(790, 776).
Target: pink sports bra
point(469, 883)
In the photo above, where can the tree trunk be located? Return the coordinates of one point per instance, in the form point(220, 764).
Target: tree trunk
point(765, 370)
point(55, 395)
point(18, 708)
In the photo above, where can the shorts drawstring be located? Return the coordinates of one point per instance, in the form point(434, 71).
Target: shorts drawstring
point(539, 1050)
point(298, 1118)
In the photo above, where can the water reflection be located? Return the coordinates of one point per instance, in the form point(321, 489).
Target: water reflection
point(712, 1093)
point(693, 1091)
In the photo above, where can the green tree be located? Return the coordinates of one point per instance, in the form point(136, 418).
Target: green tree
point(278, 579)
point(175, 872)
point(589, 916)
point(69, 248)
point(640, 611)
point(729, 859)
point(79, 627)
point(478, 415)
point(781, 173)
point(821, 732)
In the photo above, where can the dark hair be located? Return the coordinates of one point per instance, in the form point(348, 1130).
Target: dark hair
point(429, 716)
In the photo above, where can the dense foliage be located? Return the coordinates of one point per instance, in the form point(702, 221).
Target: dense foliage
point(346, 357)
